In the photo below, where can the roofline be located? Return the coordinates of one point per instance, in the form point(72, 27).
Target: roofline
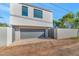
point(29, 4)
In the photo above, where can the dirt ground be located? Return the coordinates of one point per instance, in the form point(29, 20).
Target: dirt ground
point(66, 47)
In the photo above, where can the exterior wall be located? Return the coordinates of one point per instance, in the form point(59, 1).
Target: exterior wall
point(17, 34)
point(65, 33)
point(9, 36)
point(5, 36)
point(26, 22)
point(16, 17)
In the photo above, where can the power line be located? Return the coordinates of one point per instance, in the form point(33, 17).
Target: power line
point(60, 7)
point(53, 8)
point(48, 9)
point(64, 10)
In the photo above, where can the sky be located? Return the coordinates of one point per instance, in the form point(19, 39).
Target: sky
point(58, 11)
point(4, 12)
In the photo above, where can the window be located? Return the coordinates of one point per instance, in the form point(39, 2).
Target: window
point(38, 13)
point(24, 11)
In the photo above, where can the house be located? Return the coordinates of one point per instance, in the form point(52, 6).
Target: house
point(26, 22)
point(29, 21)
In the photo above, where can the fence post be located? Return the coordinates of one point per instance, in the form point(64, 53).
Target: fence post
point(9, 36)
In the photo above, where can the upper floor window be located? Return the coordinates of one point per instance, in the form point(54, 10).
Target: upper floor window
point(24, 11)
point(38, 13)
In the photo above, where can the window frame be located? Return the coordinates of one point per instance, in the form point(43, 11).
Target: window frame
point(36, 16)
point(24, 13)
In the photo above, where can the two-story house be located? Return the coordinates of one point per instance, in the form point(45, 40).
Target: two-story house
point(29, 21)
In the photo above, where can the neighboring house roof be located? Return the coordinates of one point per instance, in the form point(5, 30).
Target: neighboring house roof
point(29, 4)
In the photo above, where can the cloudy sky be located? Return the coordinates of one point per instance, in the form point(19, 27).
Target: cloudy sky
point(58, 10)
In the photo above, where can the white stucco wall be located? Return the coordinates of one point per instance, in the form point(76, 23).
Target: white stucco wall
point(27, 22)
point(5, 36)
point(16, 17)
point(9, 36)
point(65, 33)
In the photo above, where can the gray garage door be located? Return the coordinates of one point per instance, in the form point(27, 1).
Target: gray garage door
point(32, 33)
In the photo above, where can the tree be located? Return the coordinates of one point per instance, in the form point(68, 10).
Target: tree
point(56, 23)
point(3, 25)
point(76, 22)
point(68, 20)
point(61, 25)
point(77, 15)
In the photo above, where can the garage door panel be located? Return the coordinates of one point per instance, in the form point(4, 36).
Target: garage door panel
point(31, 33)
